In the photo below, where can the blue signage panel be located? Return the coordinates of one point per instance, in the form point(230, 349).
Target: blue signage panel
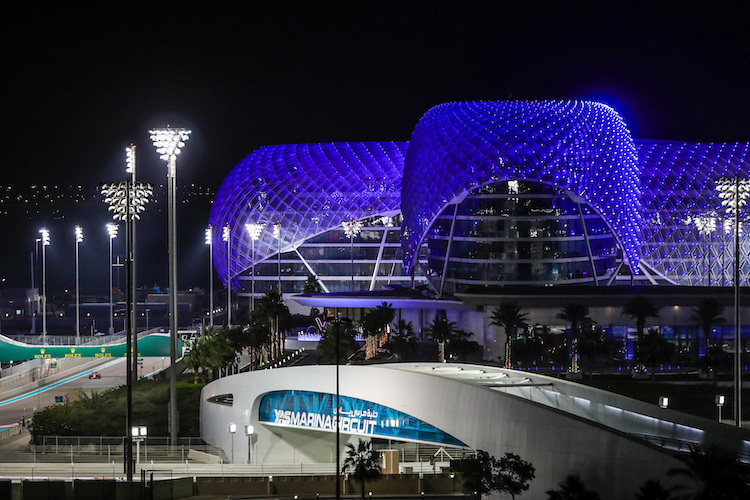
point(316, 410)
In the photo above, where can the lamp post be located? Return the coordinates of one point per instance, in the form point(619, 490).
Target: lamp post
point(277, 235)
point(232, 432)
point(249, 431)
point(253, 230)
point(112, 231)
point(210, 243)
point(225, 237)
point(706, 225)
point(126, 201)
point(719, 399)
point(45, 243)
point(138, 433)
point(168, 142)
point(79, 239)
point(733, 193)
point(352, 229)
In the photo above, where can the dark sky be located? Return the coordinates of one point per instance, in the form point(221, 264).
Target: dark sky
point(78, 85)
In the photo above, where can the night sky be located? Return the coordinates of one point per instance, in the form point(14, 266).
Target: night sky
point(79, 85)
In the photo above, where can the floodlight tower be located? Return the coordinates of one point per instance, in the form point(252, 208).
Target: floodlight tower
point(225, 237)
point(210, 243)
point(277, 235)
point(112, 231)
point(733, 192)
point(45, 243)
point(351, 229)
point(168, 142)
point(79, 239)
point(253, 230)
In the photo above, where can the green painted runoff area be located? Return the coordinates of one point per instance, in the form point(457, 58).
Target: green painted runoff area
point(155, 344)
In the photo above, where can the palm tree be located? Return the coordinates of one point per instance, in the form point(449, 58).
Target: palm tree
point(441, 331)
point(640, 308)
point(402, 341)
point(578, 316)
point(375, 326)
point(652, 489)
point(347, 344)
point(363, 463)
point(655, 350)
point(713, 473)
point(312, 285)
point(709, 312)
point(509, 316)
point(572, 488)
point(271, 305)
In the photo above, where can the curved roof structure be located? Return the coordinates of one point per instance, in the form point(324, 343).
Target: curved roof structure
point(650, 194)
point(308, 189)
point(584, 147)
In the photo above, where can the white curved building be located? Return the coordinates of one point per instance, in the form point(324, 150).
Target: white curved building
point(613, 442)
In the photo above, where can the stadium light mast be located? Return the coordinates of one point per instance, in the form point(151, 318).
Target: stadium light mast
point(351, 230)
point(112, 231)
point(45, 242)
point(79, 239)
point(210, 243)
point(168, 142)
point(277, 235)
point(225, 237)
point(253, 230)
point(733, 192)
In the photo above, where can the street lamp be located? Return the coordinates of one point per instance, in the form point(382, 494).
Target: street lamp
point(352, 229)
point(733, 193)
point(225, 237)
point(232, 432)
point(210, 243)
point(112, 230)
point(277, 235)
point(719, 399)
point(79, 239)
point(168, 142)
point(138, 433)
point(249, 431)
point(45, 243)
point(254, 231)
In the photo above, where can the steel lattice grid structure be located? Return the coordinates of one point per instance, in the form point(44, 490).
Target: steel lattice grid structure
point(307, 188)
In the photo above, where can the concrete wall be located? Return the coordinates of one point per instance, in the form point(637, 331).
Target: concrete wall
point(556, 442)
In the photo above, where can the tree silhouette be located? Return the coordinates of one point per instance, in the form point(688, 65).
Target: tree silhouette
point(655, 350)
point(363, 463)
point(652, 489)
point(640, 308)
point(479, 473)
point(578, 316)
point(402, 341)
point(272, 306)
point(375, 327)
point(706, 315)
point(713, 473)
point(441, 331)
point(513, 474)
point(326, 349)
point(509, 316)
point(572, 488)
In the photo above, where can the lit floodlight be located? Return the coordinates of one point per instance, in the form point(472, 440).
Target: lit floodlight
point(277, 230)
point(663, 401)
point(168, 142)
point(254, 230)
point(225, 234)
point(130, 159)
point(116, 196)
point(232, 428)
point(209, 236)
point(733, 193)
point(45, 236)
point(351, 228)
point(79, 234)
point(112, 230)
